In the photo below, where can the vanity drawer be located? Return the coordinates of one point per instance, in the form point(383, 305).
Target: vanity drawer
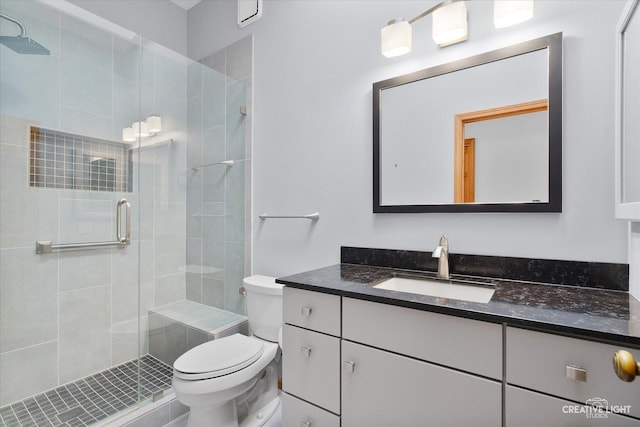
point(311, 367)
point(312, 310)
point(545, 362)
point(297, 413)
point(526, 408)
point(465, 344)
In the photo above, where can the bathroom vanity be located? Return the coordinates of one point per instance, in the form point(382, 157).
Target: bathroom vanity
point(536, 354)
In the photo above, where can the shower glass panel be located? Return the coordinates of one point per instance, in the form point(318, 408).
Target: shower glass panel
point(67, 317)
point(73, 323)
point(88, 334)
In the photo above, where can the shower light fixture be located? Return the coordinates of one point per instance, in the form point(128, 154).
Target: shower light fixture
point(450, 24)
point(149, 127)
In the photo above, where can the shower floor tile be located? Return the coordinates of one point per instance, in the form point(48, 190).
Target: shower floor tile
point(91, 399)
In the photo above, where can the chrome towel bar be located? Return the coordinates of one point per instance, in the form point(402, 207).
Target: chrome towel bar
point(225, 162)
point(312, 216)
point(46, 246)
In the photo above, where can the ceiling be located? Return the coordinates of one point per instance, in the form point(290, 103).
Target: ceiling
point(186, 4)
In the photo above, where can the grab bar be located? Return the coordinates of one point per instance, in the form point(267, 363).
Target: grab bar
point(46, 246)
point(312, 216)
point(225, 162)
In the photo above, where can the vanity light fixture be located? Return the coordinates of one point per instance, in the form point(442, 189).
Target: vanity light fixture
point(149, 127)
point(128, 135)
point(450, 24)
point(396, 38)
point(449, 27)
point(140, 129)
point(511, 12)
point(154, 124)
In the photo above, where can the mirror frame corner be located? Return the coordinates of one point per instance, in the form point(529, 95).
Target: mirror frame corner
point(552, 42)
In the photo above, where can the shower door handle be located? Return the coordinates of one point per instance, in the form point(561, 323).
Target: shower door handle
point(124, 241)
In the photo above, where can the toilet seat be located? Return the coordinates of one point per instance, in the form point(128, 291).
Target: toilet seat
point(218, 357)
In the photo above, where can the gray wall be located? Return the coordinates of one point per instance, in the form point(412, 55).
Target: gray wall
point(160, 21)
point(295, 50)
point(315, 62)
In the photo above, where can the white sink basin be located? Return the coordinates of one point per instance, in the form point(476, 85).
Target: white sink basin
point(438, 288)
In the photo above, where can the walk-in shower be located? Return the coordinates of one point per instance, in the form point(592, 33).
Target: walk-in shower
point(115, 255)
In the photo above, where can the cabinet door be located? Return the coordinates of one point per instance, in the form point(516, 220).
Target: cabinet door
point(311, 367)
point(562, 356)
point(525, 408)
point(297, 413)
point(384, 389)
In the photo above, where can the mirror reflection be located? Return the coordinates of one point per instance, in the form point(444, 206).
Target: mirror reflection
point(501, 155)
point(474, 135)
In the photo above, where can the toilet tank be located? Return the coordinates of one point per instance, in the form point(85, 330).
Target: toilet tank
point(264, 306)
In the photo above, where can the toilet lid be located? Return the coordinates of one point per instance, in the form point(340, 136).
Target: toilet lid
point(218, 357)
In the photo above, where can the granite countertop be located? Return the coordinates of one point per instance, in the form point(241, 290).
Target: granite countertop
point(603, 315)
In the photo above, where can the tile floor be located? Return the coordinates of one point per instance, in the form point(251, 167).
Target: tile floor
point(91, 399)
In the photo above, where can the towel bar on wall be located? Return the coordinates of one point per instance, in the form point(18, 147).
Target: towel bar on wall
point(312, 216)
point(46, 246)
point(225, 162)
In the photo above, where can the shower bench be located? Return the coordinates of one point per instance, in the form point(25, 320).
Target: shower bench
point(179, 326)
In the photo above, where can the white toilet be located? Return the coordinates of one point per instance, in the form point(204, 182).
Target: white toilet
point(233, 381)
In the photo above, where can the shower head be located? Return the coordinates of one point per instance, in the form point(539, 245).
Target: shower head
point(22, 43)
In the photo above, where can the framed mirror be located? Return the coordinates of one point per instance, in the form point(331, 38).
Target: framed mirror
point(482, 134)
point(627, 113)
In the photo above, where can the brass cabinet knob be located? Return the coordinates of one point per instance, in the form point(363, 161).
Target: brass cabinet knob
point(625, 366)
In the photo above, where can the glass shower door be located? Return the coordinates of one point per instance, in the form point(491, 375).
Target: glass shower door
point(69, 317)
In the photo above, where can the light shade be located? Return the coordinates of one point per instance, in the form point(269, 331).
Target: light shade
point(128, 135)
point(450, 24)
point(154, 124)
point(140, 129)
point(511, 12)
point(396, 38)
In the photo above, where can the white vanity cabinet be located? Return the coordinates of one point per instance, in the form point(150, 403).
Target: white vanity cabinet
point(311, 359)
point(573, 369)
point(388, 377)
point(352, 363)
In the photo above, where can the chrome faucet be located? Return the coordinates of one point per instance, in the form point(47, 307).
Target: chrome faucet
point(442, 253)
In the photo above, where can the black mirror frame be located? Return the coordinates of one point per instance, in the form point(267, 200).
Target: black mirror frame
point(552, 42)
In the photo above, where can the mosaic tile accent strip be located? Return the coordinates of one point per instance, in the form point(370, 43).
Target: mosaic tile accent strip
point(91, 399)
point(64, 160)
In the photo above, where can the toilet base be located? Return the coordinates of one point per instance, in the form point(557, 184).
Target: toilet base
point(261, 417)
point(224, 415)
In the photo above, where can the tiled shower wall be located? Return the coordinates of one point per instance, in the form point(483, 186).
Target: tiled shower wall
point(219, 197)
point(67, 315)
